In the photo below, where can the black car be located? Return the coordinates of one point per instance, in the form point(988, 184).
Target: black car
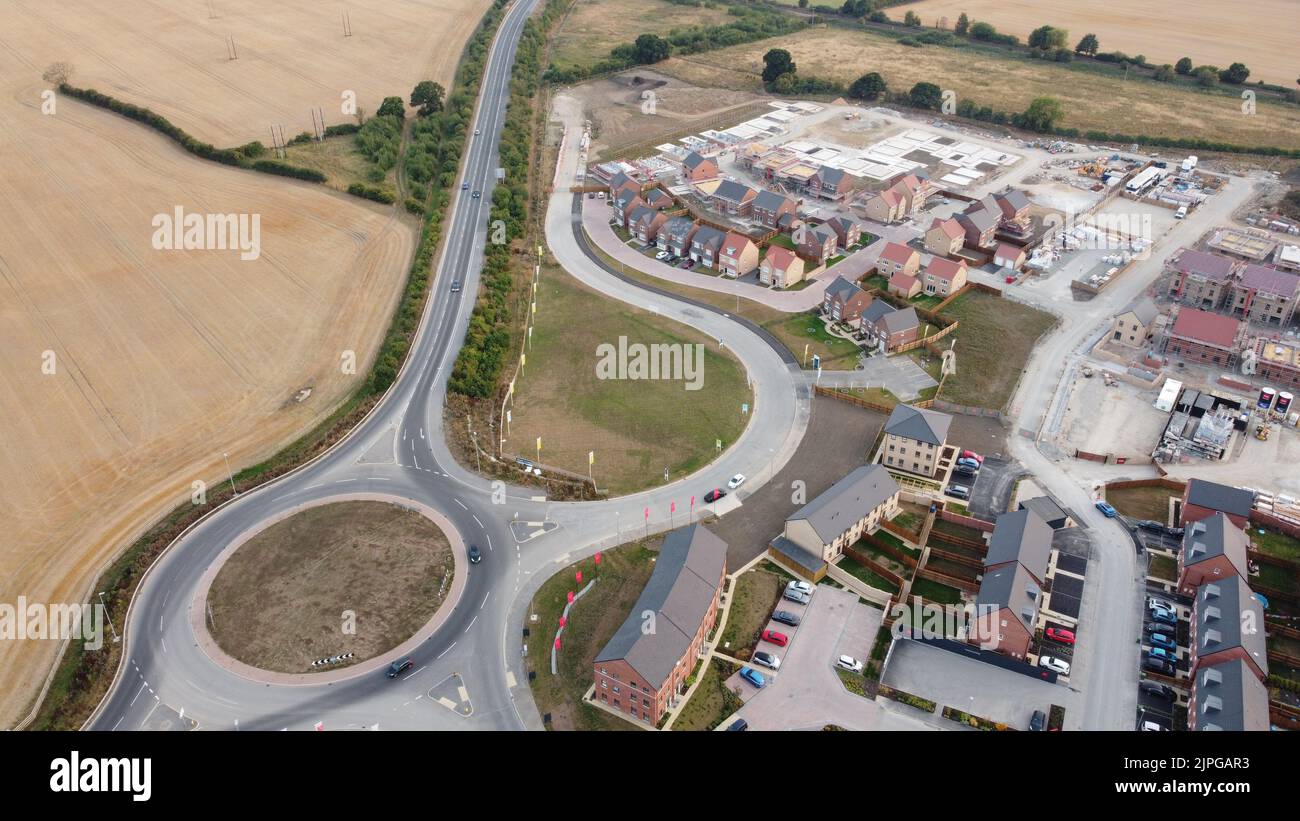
point(455, 286)
point(1037, 721)
point(477, 194)
point(474, 555)
point(1156, 665)
point(966, 474)
point(738, 725)
point(1151, 525)
point(715, 494)
point(400, 666)
point(786, 617)
point(1158, 690)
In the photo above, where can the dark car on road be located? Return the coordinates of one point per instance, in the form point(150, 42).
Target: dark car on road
point(786, 617)
point(1037, 721)
point(475, 556)
point(715, 494)
point(739, 725)
point(400, 666)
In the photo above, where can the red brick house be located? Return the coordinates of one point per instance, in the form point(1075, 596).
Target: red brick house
point(1200, 336)
point(1227, 696)
point(979, 223)
point(830, 183)
point(847, 232)
point(1214, 549)
point(1014, 568)
point(731, 197)
point(889, 327)
point(1013, 204)
point(624, 204)
point(1265, 294)
point(697, 168)
point(644, 223)
point(1202, 499)
point(844, 302)
point(818, 244)
point(621, 182)
point(769, 207)
point(642, 672)
point(675, 235)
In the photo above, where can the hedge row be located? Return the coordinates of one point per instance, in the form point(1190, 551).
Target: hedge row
point(284, 169)
point(371, 192)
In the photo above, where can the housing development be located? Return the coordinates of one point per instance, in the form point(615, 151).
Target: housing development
point(651, 365)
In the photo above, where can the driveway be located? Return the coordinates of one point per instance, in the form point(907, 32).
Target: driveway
point(976, 687)
point(900, 375)
point(807, 694)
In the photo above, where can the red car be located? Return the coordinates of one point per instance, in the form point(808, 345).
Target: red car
point(1061, 635)
point(779, 639)
point(970, 454)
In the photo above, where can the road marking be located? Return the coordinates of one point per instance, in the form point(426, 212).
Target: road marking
point(489, 538)
point(510, 680)
point(471, 623)
point(448, 650)
point(480, 524)
point(485, 598)
point(416, 673)
point(462, 504)
point(137, 695)
point(463, 693)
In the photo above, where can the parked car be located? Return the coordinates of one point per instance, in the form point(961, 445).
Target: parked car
point(1151, 726)
point(968, 463)
point(1038, 721)
point(1162, 654)
point(690, 263)
point(1158, 690)
point(1060, 634)
point(739, 725)
point(1151, 525)
point(965, 474)
point(970, 454)
point(1106, 510)
point(662, 255)
point(736, 481)
point(773, 637)
point(1157, 627)
point(796, 596)
point(475, 555)
point(476, 132)
point(1054, 664)
point(957, 491)
point(715, 494)
point(1162, 641)
point(1158, 666)
point(1154, 602)
point(767, 659)
point(800, 585)
point(400, 666)
point(786, 617)
point(753, 677)
point(849, 663)
point(1165, 617)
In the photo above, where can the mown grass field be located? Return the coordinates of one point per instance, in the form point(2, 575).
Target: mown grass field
point(1142, 502)
point(635, 427)
point(1092, 100)
point(594, 27)
point(593, 620)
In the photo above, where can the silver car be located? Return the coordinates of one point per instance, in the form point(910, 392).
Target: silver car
point(767, 660)
point(797, 596)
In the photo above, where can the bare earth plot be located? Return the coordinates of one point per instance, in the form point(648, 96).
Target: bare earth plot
point(164, 359)
point(1091, 100)
point(277, 601)
point(1260, 33)
point(292, 55)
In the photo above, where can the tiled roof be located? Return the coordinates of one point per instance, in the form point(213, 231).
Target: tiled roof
point(1203, 326)
point(897, 252)
point(921, 425)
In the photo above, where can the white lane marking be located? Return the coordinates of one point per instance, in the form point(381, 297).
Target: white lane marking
point(416, 673)
point(137, 695)
point(485, 598)
point(462, 504)
point(480, 524)
point(489, 538)
point(163, 640)
point(448, 650)
point(471, 623)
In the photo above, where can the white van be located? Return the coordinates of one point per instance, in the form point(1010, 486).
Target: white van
point(1181, 212)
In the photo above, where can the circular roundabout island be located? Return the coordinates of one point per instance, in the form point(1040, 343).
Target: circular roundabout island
point(330, 586)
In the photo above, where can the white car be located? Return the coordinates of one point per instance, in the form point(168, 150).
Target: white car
point(1151, 727)
point(736, 481)
point(801, 586)
point(662, 255)
point(1054, 664)
point(769, 660)
point(476, 132)
point(849, 663)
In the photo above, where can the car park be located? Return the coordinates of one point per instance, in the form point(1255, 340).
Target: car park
point(773, 637)
point(400, 666)
point(1060, 634)
point(739, 725)
point(1158, 690)
point(1038, 721)
point(968, 463)
point(715, 494)
point(769, 660)
point(786, 617)
point(736, 481)
point(1165, 617)
point(1054, 664)
point(1162, 641)
point(1158, 666)
point(957, 491)
point(1107, 510)
point(849, 663)
point(475, 555)
point(753, 677)
point(796, 596)
point(1162, 654)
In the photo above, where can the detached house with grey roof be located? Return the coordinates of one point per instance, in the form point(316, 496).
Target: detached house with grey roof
point(731, 197)
point(887, 327)
point(644, 224)
point(642, 672)
point(675, 236)
point(844, 302)
point(624, 204)
point(706, 245)
point(914, 440)
point(818, 532)
point(770, 206)
point(979, 222)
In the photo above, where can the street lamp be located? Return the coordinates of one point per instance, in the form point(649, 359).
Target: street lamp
point(230, 473)
point(108, 616)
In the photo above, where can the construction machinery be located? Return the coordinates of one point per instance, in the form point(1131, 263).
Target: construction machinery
point(1262, 432)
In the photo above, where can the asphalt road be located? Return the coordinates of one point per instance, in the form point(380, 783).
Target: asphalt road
point(399, 450)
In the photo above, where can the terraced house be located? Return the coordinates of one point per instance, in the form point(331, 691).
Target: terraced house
point(1265, 295)
point(1200, 279)
point(1214, 549)
point(642, 671)
point(818, 532)
point(1229, 658)
point(1015, 568)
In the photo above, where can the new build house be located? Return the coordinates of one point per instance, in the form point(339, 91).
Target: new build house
point(1214, 549)
point(645, 223)
point(898, 258)
point(1202, 499)
point(1228, 623)
point(1200, 279)
point(697, 168)
point(1200, 336)
point(844, 302)
point(1265, 295)
point(1015, 568)
point(780, 268)
point(1134, 325)
point(816, 243)
point(886, 206)
point(641, 672)
point(734, 198)
point(739, 255)
point(943, 277)
point(1227, 697)
point(675, 236)
point(944, 238)
point(847, 232)
point(914, 439)
point(770, 206)
point(853, 506)
point(706, 245)
point(887, 327)
point(624, 204)
point(979, 223)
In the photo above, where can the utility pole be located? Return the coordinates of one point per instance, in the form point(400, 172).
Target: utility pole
point(109, 616)
point(230, 473)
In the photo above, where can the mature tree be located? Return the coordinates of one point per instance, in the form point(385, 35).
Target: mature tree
point(58, 73)
point(1235, 74)
point(785, 83)
point(1088, 45)
point(1043, 113)
point(1047, 37)
point(912, 19)
point(1063, 55)
point(867, 87)
point(776, 62)
point(392, 107)
point(1164, 73)
point(427, 96)
point(963, 25)
point(1207, 75)
point(803, 4)
point(650, 48)
point(982, 31)
point(925, 95)
point(1184, 66)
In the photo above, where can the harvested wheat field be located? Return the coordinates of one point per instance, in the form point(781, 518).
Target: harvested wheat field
point(1091, 100)
point(162, 359)
point(1255, 33)
point(292, 56)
